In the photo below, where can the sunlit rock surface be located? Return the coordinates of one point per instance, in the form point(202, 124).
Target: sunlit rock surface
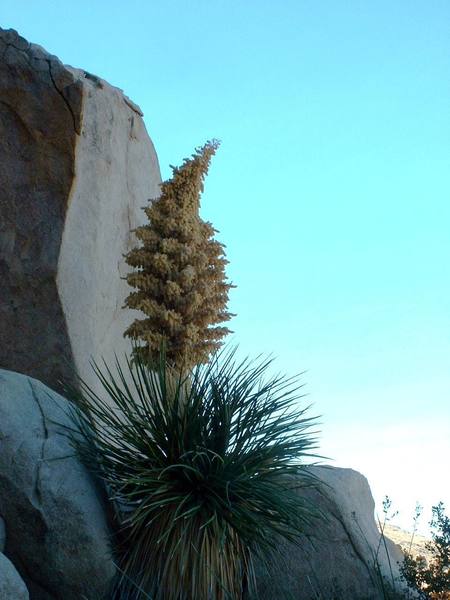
point(339, 560)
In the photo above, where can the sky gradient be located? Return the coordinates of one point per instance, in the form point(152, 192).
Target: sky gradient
point(330, 191)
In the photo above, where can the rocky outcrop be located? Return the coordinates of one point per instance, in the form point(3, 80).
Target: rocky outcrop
point(76, 167)
point(58, 539)
point(38, 131)
point(57, 535)
point(11, 585)
point(340, 559)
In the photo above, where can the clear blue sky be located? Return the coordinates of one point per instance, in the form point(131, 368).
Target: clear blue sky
point(330, 190)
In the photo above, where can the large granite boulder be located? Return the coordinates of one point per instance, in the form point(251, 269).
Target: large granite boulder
point(340, 561)
point(11, 585)
point(57, 534)
point(76, 168)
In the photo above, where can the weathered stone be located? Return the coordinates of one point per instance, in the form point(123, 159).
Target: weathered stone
point(11, 585)
point(117, 172)
point(57, 534)
point(339, 561)
point(37, 150)
point(76, 168)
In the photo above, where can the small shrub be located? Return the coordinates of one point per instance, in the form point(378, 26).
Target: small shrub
point(432, 579)
point(203, 472)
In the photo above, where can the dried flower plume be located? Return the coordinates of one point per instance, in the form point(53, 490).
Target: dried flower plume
point(179, 272)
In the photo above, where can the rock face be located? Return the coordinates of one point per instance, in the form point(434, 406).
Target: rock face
point(11, 585)
point(56, 531)
point(339, 561)
point(76, 167)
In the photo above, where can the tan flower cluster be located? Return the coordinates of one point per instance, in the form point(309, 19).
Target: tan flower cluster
point(179, 275)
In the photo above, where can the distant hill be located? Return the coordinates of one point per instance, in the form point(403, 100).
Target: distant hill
point(403, 539)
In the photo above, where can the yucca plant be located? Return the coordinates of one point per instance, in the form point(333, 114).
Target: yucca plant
point(178, 272)
point(203, 471)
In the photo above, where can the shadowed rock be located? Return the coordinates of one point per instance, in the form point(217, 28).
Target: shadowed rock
point(57, 536)
point(37, 157)
point(76, 167)
point(11, 585)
